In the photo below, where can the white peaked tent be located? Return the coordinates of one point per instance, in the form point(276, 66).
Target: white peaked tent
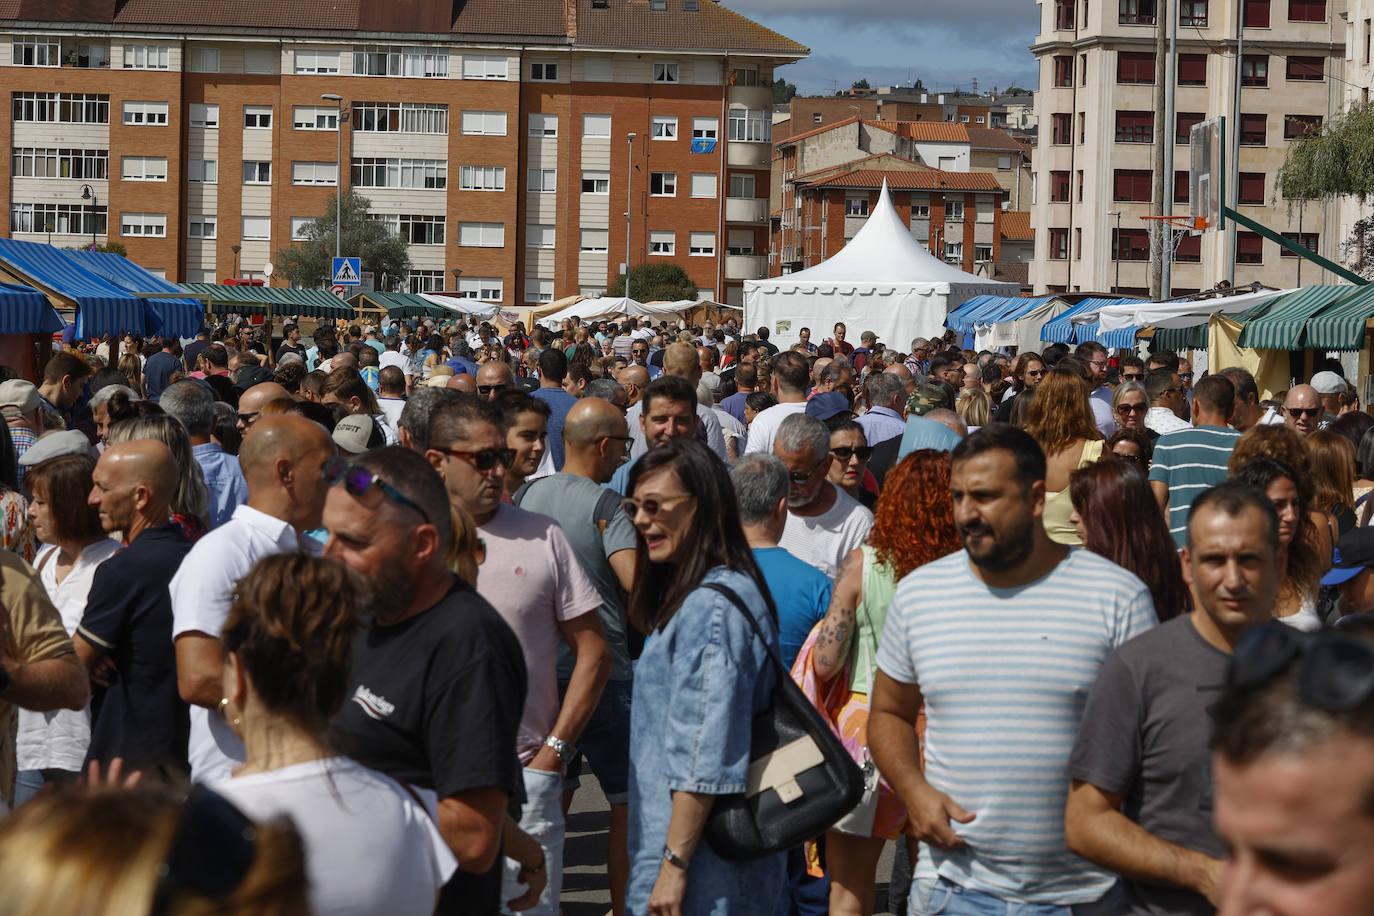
point(882, 281)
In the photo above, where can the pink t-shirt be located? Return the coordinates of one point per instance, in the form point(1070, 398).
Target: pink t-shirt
point(532, 577)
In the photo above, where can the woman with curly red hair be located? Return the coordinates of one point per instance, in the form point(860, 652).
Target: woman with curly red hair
point(913, 525)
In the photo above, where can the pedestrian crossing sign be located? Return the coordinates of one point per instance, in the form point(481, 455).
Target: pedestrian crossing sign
point(347, 272)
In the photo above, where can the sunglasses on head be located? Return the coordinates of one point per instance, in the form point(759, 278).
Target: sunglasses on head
point(357, 480)
point(211, 852)
point(1336, 672)
point(1303, 411)
point(486, 459)
point(845, 452)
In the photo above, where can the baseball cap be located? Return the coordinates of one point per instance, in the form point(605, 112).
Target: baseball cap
point(1353, 555)
point(51, 445)
point(868, 335)
point(1328, 382)
point(930, 396)
point(826, 405)
point(19, 395)
point(438, 381)
point(352, 433)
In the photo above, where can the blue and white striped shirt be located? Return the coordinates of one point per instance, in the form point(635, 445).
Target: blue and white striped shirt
point(1005, 674)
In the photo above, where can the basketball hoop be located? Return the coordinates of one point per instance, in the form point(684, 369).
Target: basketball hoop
point(1184, 222)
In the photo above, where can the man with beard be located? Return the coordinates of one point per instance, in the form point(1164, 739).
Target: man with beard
point(1002, 654)
point(824, 523)
point(438, 681)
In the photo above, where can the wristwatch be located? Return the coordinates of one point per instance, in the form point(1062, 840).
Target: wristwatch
point(566, 752)
point(673, 858)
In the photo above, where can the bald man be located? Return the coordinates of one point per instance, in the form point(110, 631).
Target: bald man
point(128, 618)
point(595, 442)
point(283, 459)
point(903, 373)
point(1302, 409)
point(680, 359)
point(633, 378)
point(464, 383)
point(493, 378)
point(250, 403)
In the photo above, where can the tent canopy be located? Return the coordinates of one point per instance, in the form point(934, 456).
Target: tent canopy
point(281, 300)
point(883, 281)
point(24, 310)
point(1281, 325)
point(101, 306)
point(1180, 313)
point(172, 314)
point(1340, 326)
point(399, 305)
point(1060, 329)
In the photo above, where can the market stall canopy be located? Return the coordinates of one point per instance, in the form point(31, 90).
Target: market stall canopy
point(280, 300)
point(457, 305)
point(399, 305)
point(883, 281)
point(1180, 313)
point(171, 314)
point(101, 306)
point(1021, 328)
point(1341, 325)
point(1061, 328)
point(986, 310)
point(25, 310)
point(596, 309)
point(1281, 325)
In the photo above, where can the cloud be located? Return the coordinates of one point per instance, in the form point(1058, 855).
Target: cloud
point(972, 16)
point(822, 74)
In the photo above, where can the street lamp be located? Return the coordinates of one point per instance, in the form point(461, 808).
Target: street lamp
point(338, 165)
point(457, 272)
point(236, 249)
point(629, 187)
point(87, 193)
point(50, 228)
point(1116, 249)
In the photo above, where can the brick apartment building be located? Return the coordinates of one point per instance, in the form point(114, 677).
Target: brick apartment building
point(494, 136)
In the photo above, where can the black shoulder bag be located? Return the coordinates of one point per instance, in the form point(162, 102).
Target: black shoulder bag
point(801, 779)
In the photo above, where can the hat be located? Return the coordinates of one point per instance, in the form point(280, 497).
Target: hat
point(252, 375)
point(20, 394)
point(826, 405)
point(63, 442)
point(1328, 383)
point(933, 395)
point(1354, 554)
point(868, 335)
point(438, 381)
point(351, 434)
point(529, 383)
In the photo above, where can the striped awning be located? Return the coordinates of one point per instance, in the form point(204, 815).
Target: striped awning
point(175, 314)
point(400, 305)
point(1193, 337)
point(24, 310)
point(1116, 339)
point(1340, 326)
point(257, 300)
point(1282, 324)
point(101, 306)
point(962, 319)
point(1060, 329)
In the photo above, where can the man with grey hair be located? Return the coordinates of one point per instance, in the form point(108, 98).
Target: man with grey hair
point(608, 389)
point(886, 398)
point(918, 363)
point(413, 427)
point(823, 522)
point(98, 404)
point(192, 402)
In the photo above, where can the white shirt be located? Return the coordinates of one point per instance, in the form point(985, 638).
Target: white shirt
point(765, 426)
point(391, 409)
point(59, 739)
point(1100, 400)
point(393, 358)
point(370, 846)
point(824, 540)
point(1163, 420)
point(202, 592)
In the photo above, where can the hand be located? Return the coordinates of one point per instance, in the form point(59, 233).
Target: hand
point(103, 674)
point(114, 777)
point(547, 760)
point(669, 889)
point(931, 813)
point(535, 882)
point(1209, 881)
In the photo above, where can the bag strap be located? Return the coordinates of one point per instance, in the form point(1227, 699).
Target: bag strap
point(738, 602)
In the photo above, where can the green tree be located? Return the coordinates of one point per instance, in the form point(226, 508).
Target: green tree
point(655, 282)
point(108, 248)
point(783, 91)
point(307, 262)
point(1335, 162)
point(861, 84)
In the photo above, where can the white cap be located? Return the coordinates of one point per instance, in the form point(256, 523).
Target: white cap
point(1328, 382)
point(51, 445)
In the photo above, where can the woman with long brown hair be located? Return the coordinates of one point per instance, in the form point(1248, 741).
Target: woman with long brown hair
point(1296, 602)
point(1117, 517)
point(1333, 479)
point(1061, 421)
point(1285, 444)
point(913, 525)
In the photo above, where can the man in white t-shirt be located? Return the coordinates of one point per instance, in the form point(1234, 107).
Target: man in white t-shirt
point(283, 460)
point(790, 377)
point(532, 577)
point(391, 394)
point(824, 523)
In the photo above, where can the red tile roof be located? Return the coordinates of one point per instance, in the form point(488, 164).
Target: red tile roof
point(1016, 225)
point(914, 180)
point(817, 130)
point(712, 27)
point(927, 131)
point(982, 138)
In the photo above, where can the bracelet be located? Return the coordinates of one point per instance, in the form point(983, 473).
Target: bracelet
point(527, 870)
point(673, 858)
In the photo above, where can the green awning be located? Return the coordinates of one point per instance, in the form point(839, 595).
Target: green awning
point(400, 305)
point(256, 300)
point(1180, 339)
point(1341, 326)
point(1284, 320)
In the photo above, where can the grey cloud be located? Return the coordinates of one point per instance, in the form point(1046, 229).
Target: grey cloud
point(993, 19)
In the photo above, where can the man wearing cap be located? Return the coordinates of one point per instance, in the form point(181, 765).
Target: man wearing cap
point(192, 403)
point(920, 431)
point(866, 347)
point(356, 433)
point(1329, 387)
point(824, 523)
point(20, 403)
point(1302, 410)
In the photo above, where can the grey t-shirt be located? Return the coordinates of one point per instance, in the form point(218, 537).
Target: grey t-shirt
point(572, 501)
point(1144, 736)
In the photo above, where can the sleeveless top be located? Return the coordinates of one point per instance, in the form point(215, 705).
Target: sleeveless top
point(1058, 505)
point(870, 616)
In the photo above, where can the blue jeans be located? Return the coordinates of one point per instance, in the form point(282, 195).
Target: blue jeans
point(942, 897)
point(606, 742)
point(28, 782)
point(542, 818)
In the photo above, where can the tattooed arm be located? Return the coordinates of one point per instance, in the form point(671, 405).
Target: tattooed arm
point(837, 627)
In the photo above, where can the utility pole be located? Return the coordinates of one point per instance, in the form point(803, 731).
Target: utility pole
point(1166, 231)
point(629, 206)
point(1157, 185)
point(1231, 138)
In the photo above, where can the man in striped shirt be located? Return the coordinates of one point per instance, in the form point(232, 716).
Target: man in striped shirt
point(1189, 461)
point(1003, 659)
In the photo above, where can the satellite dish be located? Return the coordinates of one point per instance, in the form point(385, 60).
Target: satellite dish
point(267, 269)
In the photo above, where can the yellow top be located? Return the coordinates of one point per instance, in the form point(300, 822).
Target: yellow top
point(1058, 506)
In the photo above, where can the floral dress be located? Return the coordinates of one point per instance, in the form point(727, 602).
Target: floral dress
point(18, 533)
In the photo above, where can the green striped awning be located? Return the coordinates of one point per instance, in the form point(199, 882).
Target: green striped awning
point(1193, 337)
point(1341, 326)
point(1284, 320)
point(400, 305)
point(255, 300)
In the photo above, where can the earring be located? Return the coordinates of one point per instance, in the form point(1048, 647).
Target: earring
point(222, 710)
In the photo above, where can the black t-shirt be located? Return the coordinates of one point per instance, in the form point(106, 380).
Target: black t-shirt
point(192, 352)
point(140, 717)
point(290, 348)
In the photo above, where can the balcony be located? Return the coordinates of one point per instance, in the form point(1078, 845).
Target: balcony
point(745, 266)
point(745, 154)
point(757, 97)
point(752, 210)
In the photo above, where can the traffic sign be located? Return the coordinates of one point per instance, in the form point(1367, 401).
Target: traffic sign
point(347, 271)
point(340, 291)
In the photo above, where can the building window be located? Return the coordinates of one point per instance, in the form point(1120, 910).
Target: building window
point(200, 227)
point(544, 71)
point(1251, 190)
point(299, 226)
point(1136, 12)
point(1310, 69)
point(743, 187)
point(1059, 187)
point(662, 241)
point(36, 52)
point(1306, 10)
point(1062, 128)
point(701, 244)
point(482, 235)
point(311, 117)
point(400, 117)
point(481, 178)
point(744, 76)
point(1059, 244)
point(146, 57)
point(1135, 127)
point(1003, 163)
point(29, 162)
point(1189, 250)
point(144, 113)
point(414, 228)
point(1135, 67)
point(62, 107)
point(596, 126)
point(982, 252)
point(705, 128)
point(483, 123)
point(424, 281)
point(1192, 69)
point(1131, 185)
point(663, 127)
point(1180, 187)
point(1253, 128)
point(257, 117)
point(920, 211)
point(543, 125)
point(954, 252)
point(487, 289)
point(542, 181)
point(261, 60)
point(1063, 71)
point(963, 119)
point(665, 72)
point(663, 184)
point(1183, 125)
point(596, 182)
point(539, 236)
point(856, 205)
point(143, 168)
point(1249, 248)
point(594, 241)
point(752, 126)
point(954, 211)
point(202, 170)
point(1130, 245)
point(486, 67)
point(201, 115)
point(1254, 71)
point(316, 61)
point(1306, 240)
point(151, 225)
point(1295, 126)
point(1063, 16)
point(740, 242)
point(395, 61)
point(257, 172)
point(321, 173)
point(704, 184)
point(1256, 14)
point(1192, 14)
point(538, 290)
point(65, 219)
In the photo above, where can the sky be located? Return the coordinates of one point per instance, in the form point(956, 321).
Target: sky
point(894, 42)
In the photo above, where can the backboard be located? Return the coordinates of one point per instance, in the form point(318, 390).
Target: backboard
point(1207, 173)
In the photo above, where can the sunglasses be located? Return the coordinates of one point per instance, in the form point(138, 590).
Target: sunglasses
point(1136, 377)
point(800, 477)
point(650, 505)
point(488, 389)
point(1138, 459)
point(1336, 672)
point(211, 852)
point(1132, 408)
point(357, 480)
point(1035, 373)
point(1303, 411)
point(247, 419)
point(1186, 376)
point(486, 459)
point(845, 452)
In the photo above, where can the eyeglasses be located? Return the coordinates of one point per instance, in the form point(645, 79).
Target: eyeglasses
point(1132, 408)
point(1336, 670)
point(1035, 373)
point(484, 460)
point(211, 851)
point(1303, 411)
point(357, 480)
point(1186, 376)
point(845, 452)
point(247, 419)
point(652, 506)
point(488, 389)
point(1138, 459)
point(625, 441)
point(1136, 377)
point(798, 478)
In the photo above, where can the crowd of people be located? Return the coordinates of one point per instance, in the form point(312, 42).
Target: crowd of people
point(337, 626)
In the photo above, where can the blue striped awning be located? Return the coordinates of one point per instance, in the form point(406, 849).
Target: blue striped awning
point(1060, 329)
point(101, 307)
point(1012, 309)
point(24, 310)
point(960, 319)
point(1119, 339)
point(174, 315)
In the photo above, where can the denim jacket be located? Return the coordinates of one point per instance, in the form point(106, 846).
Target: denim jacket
point(698, 685)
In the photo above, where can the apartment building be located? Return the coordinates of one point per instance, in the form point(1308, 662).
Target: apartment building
point(1095, 158)
point(505, 141)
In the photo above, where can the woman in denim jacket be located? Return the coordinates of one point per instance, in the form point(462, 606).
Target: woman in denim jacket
point(700, 681)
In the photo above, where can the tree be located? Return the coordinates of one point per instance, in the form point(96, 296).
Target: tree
point(783, 91)
point(1335, 162)
point(307, 263)
point(1358, 250)
point(861, 84)
point(108, 248)
point(654, 282)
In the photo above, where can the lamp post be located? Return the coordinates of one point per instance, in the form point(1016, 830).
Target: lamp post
point(236, 249)
point(457, 272)
point(629, 188)
point(88, 193)
point(50, 228)
point(338, 163)
point(1116, 253)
